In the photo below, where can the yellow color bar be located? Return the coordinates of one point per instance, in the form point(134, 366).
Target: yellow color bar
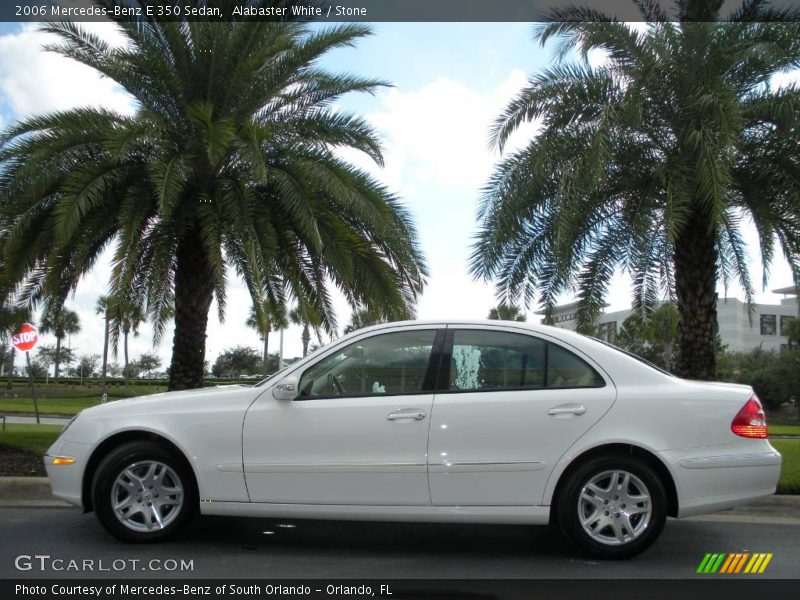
point(62, 460)
point(754, 562)
point(765, 563)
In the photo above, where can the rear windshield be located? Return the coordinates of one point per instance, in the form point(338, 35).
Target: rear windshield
point(632, 355)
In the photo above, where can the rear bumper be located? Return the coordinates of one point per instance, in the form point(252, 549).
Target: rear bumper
point(711, 482)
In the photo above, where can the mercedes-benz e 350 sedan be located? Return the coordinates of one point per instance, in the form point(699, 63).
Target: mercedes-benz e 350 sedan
point(473, 422)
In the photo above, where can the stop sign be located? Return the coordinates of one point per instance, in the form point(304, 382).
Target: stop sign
point(26, 338)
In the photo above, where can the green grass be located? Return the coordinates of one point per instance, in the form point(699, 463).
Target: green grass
point(51, 406)
point(36, 438)
point(783, 429)
point(70, 398)
point(64, 399)
point(790, 471)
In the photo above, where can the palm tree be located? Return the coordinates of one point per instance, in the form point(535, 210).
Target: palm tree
point(102, 308)
point(270, 316)
point(650, 163)
point(61, 322)
point(229, 161)
point(360, 318)
point(507, 312)
point(792, 331)
point(301, 315)
point(127, 317)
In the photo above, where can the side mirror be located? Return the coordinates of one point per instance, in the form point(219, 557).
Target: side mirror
point(285, 389)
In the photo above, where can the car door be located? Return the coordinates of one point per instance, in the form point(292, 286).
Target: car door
point(356, 434)
point(508, 405)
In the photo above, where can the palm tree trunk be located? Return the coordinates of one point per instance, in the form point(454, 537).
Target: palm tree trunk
point(105, 351)
point(193, 295)
point(306, 339)
point(266, 352)
point(125, 372)
point(695, 286)
point(58, 359)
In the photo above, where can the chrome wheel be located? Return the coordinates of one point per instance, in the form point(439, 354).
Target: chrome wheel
point(147, 496)
point(614, 507)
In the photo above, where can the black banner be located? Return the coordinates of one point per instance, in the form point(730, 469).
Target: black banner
point(731, 588)
point(331, 10)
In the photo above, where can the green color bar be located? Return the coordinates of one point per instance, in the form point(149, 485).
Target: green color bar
point(717, 564)
point(701, 568)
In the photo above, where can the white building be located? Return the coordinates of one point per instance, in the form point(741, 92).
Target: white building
point(736, 329)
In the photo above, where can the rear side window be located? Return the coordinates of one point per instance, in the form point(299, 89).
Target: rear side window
point(566, 370)
point(495, 360)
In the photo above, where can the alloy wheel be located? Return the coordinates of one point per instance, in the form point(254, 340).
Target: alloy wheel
point(614, 507)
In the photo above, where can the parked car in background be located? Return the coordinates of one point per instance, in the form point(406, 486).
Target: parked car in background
point(474, 422)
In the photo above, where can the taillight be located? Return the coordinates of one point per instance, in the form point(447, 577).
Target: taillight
point(750, 422)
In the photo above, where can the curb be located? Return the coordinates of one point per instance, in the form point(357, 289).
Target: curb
point(33, 492)
point(27, 492)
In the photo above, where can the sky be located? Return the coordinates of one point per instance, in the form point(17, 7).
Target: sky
point(448, 83)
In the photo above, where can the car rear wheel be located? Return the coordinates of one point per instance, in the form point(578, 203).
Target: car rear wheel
point(143, 493)
point(612, 507)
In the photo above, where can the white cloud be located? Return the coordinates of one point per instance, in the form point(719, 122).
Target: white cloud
point(439, 134)
point(33, 81)
point(438, 158)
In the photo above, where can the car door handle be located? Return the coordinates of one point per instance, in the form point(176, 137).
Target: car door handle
point(406, 413)
point(574, 409)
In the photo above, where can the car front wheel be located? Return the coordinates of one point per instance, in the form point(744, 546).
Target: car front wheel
point(612, 507)
point(143, 493)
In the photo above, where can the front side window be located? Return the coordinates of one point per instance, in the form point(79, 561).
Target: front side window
point(385, 364)
point(493, 360)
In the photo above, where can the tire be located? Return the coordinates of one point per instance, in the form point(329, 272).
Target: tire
point(615, 528)
point(154, 491)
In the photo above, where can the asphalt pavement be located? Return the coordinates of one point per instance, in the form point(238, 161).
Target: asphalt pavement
point(260, 548)
point(28, 420)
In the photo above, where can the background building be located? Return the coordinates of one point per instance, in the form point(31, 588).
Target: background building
point(736, 329)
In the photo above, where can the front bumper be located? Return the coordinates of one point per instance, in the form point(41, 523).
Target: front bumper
point(66, 480)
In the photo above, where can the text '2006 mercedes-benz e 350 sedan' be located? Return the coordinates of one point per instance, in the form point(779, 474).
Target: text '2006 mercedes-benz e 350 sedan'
point(473, 422)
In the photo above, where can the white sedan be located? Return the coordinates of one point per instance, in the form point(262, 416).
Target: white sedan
point(472, 422)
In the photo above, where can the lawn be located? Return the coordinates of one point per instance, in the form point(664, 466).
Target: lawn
point(69, 398)
point(36, 438)
point(790, 471)
point(51, 406)
point(65, 399)
point(783, 429)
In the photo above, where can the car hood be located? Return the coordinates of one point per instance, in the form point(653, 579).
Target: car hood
point(167, 400)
